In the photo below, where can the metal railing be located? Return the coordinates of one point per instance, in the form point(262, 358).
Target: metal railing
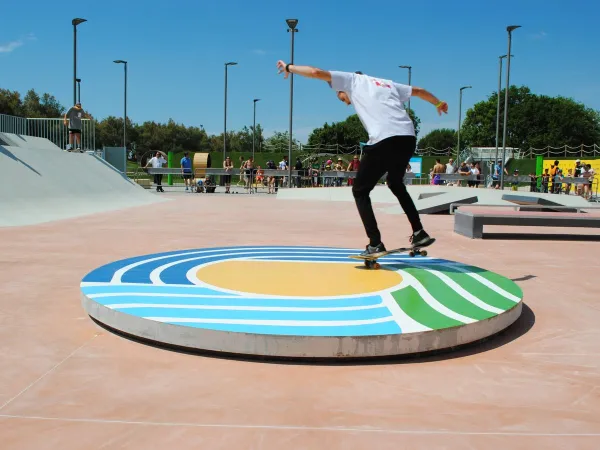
point(52, 129)
point(554, 208)
point(13, 124)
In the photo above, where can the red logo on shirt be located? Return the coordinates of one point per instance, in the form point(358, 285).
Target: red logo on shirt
point(382, 84)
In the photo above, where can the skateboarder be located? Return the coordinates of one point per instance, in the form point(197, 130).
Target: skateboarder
point(379, 104)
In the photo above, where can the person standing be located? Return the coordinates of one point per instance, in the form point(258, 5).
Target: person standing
point(186, 170)
point(379, 104)
point(72, 120)
point(157, 162)
point(228, 166)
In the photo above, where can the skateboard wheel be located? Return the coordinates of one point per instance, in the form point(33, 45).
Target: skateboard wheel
point(411, 254)
point(424, 253)
point(376, 266)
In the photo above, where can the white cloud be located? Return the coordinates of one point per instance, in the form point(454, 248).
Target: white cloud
point(259, 52)
point(13, 45)
point(540, 35)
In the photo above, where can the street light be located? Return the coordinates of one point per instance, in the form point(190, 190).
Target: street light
point(498, 106)
point(409, 77)
point(120, 61)
point(231, 63)
point(509, 29)
point(75, 22)
point(459, 114)
point(292, 29)
point(78, 89)
point(254, 126)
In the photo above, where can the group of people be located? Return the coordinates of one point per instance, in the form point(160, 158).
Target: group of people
point(554, 180)
point(474, 168)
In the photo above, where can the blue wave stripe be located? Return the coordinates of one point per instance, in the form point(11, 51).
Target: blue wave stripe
point(375, 329)
point(177, 273)
point(106, 272)
point(150, 288)
point(275, 302)
point(365, 314)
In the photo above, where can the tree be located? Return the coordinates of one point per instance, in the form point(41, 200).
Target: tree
point(439, 139)
point(10, 103)
point(42, 107)
point(279, 142)
point(533, 121)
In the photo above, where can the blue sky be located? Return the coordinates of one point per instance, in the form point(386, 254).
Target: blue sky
point(176, 51)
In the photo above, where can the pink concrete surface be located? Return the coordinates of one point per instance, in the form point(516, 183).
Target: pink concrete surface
point(66, 383)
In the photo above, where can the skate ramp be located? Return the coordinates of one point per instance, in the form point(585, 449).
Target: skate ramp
point(41, 183)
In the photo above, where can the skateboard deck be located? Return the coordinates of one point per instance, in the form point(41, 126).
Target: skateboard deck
point(371, 260)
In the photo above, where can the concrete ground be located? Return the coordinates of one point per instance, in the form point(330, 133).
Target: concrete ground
point(66, 383)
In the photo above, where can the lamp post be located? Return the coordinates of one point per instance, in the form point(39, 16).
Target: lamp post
point(254, 126)
point(231, 63)
point(291, 29)
point(459, 116)
point(120, 61)
point(75, 22)
point(409, 77)
point(498, 106)
point(78, 89)
point(509, 29)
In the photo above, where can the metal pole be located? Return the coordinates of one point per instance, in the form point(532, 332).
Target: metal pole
point(74, 63)
point(498, 109)
point(79, 90)
point(458, 134)
point(225, 119)
point(293, 30)
point(253, 129)
point(509, 29)
point(409, 81)
point(125, 113)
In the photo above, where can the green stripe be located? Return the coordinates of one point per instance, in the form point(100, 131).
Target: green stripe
point(479, 290)
point(413, 305)
point(447, 296)
point(500, 281)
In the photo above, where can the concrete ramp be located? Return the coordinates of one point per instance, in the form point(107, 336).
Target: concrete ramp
point(42, 184)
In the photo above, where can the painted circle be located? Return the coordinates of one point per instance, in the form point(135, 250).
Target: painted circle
point(237, 298)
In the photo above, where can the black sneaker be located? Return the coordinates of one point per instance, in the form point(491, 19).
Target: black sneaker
point(369, 250)
point(421, 239)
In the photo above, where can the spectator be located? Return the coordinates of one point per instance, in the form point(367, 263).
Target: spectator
point(568, 185)
point(298, 167)
point(532, 182)
point(228, 166)
point(450, 170)
point(475, 175)
point(588, 173)
point(496, 174)
point(74, 116)
point(464, 171)
point(437, 170)
point(545, 179)
point(353, 167)
point(157, 162)
point(186, 170)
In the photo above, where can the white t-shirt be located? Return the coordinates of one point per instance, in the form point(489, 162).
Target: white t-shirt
point(378, 104)
point(282, 165)
point(157, 163)
point(449, 168)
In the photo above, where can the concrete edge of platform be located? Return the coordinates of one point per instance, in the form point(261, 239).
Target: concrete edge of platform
point(302, 347)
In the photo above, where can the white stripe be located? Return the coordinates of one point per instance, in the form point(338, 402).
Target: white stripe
point(243, 308)
point(486, 282)
point(158, 294)
point(120, 272)
point(467, 295)
point(281, 323)
point(431, 301)
point(406, 323)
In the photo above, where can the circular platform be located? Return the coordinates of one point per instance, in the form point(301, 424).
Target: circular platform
point(312, 302)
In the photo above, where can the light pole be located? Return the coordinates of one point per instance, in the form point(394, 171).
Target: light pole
point(254, 126)
point(291, 29)
point(498, 107)
point(409, 77)
point(120, 61)
point(509, 29)
point(75, 22)
point(231, 63)
point(459, 114)
point(78, 89)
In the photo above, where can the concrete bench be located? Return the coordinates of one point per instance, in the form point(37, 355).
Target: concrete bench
point(470, 223)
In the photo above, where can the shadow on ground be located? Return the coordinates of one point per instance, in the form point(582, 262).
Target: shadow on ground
point(520, 327)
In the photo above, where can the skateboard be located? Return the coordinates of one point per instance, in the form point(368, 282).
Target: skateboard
point(371, 260)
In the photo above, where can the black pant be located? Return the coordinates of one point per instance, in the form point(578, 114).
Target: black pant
point(391, 155)
point(158, 179)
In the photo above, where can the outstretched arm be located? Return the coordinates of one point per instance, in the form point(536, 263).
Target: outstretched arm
point(441, 106)
point(305, 71)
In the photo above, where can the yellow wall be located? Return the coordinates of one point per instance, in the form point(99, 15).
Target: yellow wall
point(566, 164)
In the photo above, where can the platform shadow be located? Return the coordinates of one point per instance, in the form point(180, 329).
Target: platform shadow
point(521, 326)
point(542, 237)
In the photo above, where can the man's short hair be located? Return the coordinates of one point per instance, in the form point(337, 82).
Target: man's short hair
point(359, 72)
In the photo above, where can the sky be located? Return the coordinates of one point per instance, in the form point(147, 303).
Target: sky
point(176, 52)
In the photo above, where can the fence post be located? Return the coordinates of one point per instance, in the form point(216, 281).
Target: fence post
point(170, 165)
